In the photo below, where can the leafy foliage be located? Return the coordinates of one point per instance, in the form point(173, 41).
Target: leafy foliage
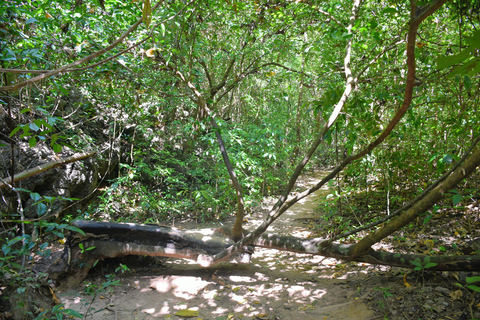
point(270, 73)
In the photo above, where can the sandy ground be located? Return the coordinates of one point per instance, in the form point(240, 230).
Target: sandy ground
point(275, 285)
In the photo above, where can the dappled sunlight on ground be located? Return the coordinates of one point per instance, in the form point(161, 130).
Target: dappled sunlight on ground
point(275, 285)
point(281, 284)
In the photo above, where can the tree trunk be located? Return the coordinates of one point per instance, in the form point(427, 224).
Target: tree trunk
point(108, 240)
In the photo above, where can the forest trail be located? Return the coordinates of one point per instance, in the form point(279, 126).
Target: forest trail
point(275, 285)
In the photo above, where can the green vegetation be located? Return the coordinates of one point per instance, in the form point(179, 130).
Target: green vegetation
point(197, 110)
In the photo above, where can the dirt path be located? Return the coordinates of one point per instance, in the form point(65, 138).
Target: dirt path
point(276, 285)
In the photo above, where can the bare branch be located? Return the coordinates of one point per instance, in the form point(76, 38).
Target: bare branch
point(19, 71)
point(47, 166)
point(338, 22)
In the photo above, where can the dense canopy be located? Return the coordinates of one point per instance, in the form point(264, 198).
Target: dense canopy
point(199, 109)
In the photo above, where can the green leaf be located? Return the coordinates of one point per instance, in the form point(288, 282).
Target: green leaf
point(469, 68)
point(474, 288)
point(6, 249)
point(58, 234)
point(467, 82)
point(54, 139)
point(14, 240)
point(34, 127)
point(470, 280)
point(417, 263)
point(57, 148)
point(187, 313)
point(32, 142)
point(473, 40)
point(445, 62)
point(75, 229)
point(447, 158)
point(35, 196)
point(456, 199)
point(15, 131)
point(41, 122)
point(427, 218)
point(31, 20)
point(430, 264)
point(389, 11)
point(72, 313)
point(41, 209)
point(8, 55)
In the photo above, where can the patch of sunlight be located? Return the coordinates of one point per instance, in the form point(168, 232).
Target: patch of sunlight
point(299, 233)
point(242, 279)
point(240, 299)
point(300, 293)
point(220, 310)
point(136, 284)
point(261, 276)
point(180, 261)
point(181, 286)
point(329, 262)
point(149, 310)
point(210, 295)
point(165, 309)
point(205, 232)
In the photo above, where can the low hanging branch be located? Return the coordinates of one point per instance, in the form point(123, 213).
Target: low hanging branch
point(350, 83)
point(342, 251)
point(99, 240)
point(281, 206)
point(44, 167)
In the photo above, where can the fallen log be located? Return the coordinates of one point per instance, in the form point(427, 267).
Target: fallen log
point(404, 260)
point(108, 240)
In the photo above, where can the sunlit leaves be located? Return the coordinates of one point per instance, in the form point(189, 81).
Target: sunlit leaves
point(466, 62)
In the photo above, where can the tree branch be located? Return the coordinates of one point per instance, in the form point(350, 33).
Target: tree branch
point(80, 61)
point(278, 209)
point(420, 207)
point(409, 204)
point(281, 206)
point(47, 166)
